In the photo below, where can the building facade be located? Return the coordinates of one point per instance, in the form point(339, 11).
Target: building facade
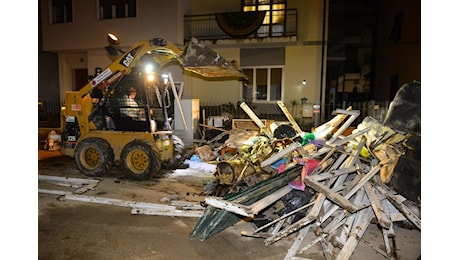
point(281, 50)
point(315, 51)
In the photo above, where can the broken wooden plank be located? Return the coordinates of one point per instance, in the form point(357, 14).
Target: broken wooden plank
point(388, 234)
point(397, 201)
point(279, 155)
point(228, 206)
point(280, 224)
point(355, 188)
point(318, 204)
point(167, 212)
point(344, 161)
point(66, 181)
point(349, 138)
point(383, 219)
point(283, 217)
point(268, 200)
point(289, 117)
point(365, 217)
point(186, 205)
point(82, 185)
point(276, 228)
point(117, 202)
point(333, 173)
point(333, 196)
point(54, 192)
point(353, 115)
point(323, 161)
point(327, 231)
point(137, 206)
point(348, 225)
point(86, 188)
point(309, 218)
point(327, 247)
point(256, 119)
point(325, 129)
point(297, 242)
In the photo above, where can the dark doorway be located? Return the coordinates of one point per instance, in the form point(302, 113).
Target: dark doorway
point(81, 78)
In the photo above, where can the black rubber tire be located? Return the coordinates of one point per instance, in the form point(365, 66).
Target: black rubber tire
point(94, 157)
point(140, 160)
point(178, 157)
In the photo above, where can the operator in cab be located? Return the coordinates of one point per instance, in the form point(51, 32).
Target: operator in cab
point(136, 112)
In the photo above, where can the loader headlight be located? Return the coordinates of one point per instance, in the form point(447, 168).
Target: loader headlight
point(148, 68)
point(150, 77)
point(113, 39)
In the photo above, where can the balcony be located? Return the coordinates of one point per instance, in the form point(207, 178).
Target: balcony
point(239, 25)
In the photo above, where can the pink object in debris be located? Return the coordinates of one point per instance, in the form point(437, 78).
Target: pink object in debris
point(308, 166)
point(281, 168)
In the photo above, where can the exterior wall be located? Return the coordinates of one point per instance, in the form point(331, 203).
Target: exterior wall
point(67, 63)
point(303, 54)
point(97, 58)
point(155, 18)
point(402, 57)
point(302, 62)
point(209, 7)
point(85, 38)
point(309, 19)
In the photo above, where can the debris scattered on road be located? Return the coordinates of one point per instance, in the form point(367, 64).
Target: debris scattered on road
point(340, 184)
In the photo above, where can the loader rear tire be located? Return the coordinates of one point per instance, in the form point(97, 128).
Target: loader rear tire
point(140, 160)
point(178, 155)
point(94, 157)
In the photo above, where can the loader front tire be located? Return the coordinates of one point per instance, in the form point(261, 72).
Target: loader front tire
point(140, 160)
point(178, 156)
point(94, 157)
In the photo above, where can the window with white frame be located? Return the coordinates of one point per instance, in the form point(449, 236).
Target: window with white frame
point(275, 15)
point(61, 11)
point(112, 9)
point(264, 84)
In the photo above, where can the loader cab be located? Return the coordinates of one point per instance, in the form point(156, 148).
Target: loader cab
point(127, 113)
point(152, 103)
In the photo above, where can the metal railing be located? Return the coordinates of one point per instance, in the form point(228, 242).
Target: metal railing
point(205, 27)
point(49, 114)
point(372, 108)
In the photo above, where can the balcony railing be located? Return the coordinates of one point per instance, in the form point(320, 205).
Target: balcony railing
point(206, 27)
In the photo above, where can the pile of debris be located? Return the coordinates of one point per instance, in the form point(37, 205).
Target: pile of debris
point(288, 182)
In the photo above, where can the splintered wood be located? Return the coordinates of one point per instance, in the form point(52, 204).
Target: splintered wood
point(348, 193)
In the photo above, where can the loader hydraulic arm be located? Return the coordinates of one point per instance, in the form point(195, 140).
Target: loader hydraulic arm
point(196, 58)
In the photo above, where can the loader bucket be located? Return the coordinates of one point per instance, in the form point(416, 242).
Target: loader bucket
point(202, 60)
